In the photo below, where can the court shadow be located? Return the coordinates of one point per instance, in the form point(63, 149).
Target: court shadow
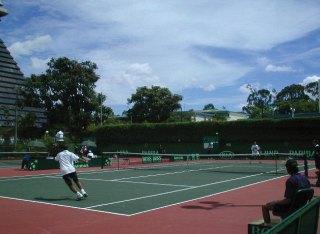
point(53, 199)
point(210, 205)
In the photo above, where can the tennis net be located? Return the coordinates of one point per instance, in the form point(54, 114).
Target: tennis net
point(228, 163)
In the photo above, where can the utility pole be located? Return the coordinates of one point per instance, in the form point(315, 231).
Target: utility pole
point(101, 109)
point(16, 119)
point(16, 127)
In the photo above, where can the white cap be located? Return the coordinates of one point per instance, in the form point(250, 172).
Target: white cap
point(59, 136)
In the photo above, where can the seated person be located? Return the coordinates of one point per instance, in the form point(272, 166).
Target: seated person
point(26, 162)
point(295, 182)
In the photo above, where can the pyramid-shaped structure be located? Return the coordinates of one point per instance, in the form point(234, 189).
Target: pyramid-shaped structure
point(11, 78)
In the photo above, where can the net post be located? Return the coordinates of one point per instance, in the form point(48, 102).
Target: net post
point(118, 161)
point(276, 160)
point(102, 161)
point(305, 163)
point(187, 161)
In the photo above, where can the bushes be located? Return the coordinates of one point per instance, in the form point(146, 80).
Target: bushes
point(267, 131)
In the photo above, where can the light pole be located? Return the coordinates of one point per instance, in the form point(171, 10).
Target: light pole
point(101, 109)
point(292, 111)
point(16, 119)
point(16, 128)
point(274, 112)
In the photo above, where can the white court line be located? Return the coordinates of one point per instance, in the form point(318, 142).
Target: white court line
point(53, 204)
point(169, 173)
point(94, 172)
point(128, 215)
point(174, 191)
point(210, 195)
point(28, 178)
point(132, 182)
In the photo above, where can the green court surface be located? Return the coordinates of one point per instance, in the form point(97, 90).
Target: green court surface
point(10, 163)
point(131, 191)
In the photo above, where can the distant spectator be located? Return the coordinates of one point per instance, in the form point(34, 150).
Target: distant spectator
point(59, 136)
point(84, 151)
point(161, 149)
point(210, 148)
point(26, 161)
point(255, 149)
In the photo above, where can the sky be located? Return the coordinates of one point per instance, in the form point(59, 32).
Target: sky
point(208, 51)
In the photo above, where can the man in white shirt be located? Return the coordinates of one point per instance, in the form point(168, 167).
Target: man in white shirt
point(68, 171)
point(255, 149)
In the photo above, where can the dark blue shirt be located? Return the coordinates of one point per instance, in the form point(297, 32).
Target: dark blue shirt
point(26, 157)
point(294, 183)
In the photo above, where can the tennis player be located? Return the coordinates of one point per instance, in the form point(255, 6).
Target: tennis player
point(68, 171)
point(255, 149)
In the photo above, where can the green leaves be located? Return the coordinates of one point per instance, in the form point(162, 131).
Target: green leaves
point(153, 104)
point(66, 92)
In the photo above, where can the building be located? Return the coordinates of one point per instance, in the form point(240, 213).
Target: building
point(3, 11)
point(208, 115)
point(11, 78)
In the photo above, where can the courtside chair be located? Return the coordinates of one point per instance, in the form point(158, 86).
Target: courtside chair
point(301, 198)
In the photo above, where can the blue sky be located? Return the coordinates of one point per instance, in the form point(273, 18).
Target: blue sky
point(207, 51)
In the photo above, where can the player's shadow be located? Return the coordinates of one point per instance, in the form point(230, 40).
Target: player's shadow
point(52, 199)
point(210, 205)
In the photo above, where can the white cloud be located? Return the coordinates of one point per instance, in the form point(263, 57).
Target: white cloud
point(273, 68)
point(39, 65)
point(263, 61)
point(28, 47)
point(120, 87)
point(245, 89)
point(310, 79)
point(209, 88)
point(136, 43)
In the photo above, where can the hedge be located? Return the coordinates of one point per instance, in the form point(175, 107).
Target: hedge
point(284, 131)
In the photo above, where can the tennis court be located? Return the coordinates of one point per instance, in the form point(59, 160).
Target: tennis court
point(139, 189)
point(136, 190)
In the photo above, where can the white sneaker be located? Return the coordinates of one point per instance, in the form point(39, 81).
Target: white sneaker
point(84, 193)
point(79, 197)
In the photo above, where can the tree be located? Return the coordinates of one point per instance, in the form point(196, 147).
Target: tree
point(209, 106)
point(153, 104)
point(66, 92)
point(260, 103)
point(294, 96)
point(312, 90)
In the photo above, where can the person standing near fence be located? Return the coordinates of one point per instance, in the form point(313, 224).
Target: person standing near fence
point(316, 155)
